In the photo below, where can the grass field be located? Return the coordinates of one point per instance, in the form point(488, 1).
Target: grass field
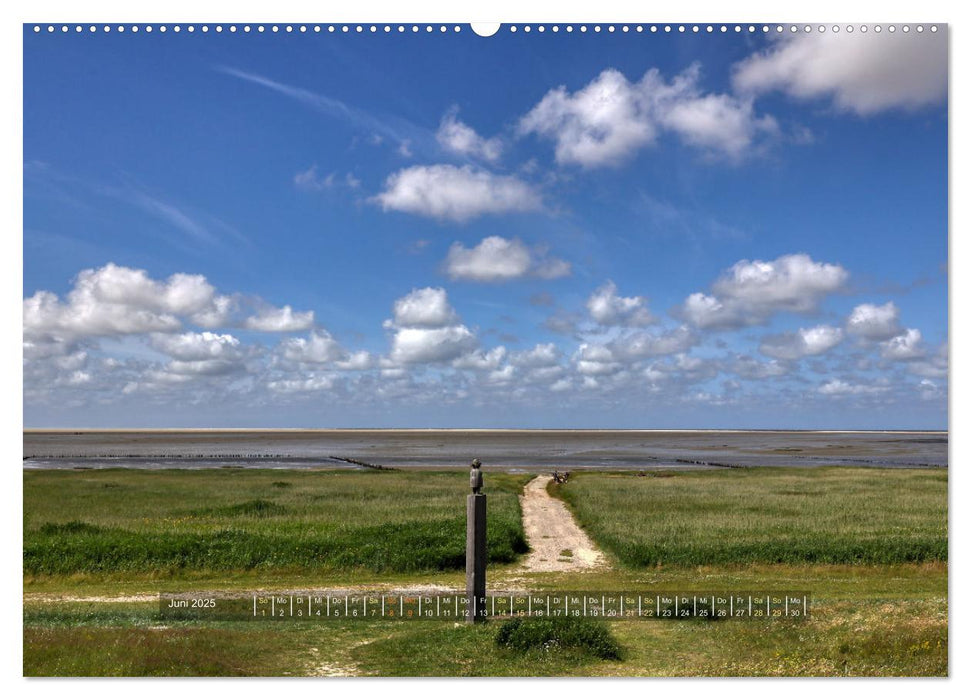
point(118, 521)
point(742, 516)
point(876, 610)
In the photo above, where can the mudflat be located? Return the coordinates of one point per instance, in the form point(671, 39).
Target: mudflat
point(502, 449)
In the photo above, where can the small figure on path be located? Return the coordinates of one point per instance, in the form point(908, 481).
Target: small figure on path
point(475, 476)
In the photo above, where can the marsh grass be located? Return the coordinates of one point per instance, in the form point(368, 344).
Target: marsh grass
point(552, 635)
point(746, 516)
point(219, 520)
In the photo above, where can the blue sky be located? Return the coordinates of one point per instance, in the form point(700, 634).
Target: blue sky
point(527, 230)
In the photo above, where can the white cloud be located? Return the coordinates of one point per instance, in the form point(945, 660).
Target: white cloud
point(424, 345)
point(458, 137)
point(116, 300)
point(609, 119)
point(318, 348)
point(874, 322)
point(838, 387)
point(749, 292)
point(593, 360)
point(541, 355)
point(802, 343)
point(608, 308)
point(427, 329)
point(306, 385)
point(934, 366)
point(310, 179)
point(502, 376)
point(861, 72)
point(282, 320)
point(480, 360)
point(355, 361)
point(197, 346)
point(427, 307)
point(453, 193)
point(749, 368)
point(642, 344)
point(188, 368)
point(906, 346)
point(497, 259)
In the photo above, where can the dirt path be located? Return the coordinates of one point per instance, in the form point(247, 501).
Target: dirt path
point(556, 541)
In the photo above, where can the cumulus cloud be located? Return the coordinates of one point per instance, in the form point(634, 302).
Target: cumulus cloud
point(748, 367)
point(541, 355)
point(197, 346)
point(115, 300)
point(283, 320)
point(480, 360)
point(906, 346)
point(458, 137)
point(608, 308)
point(309, 384)
point(642, 344)
point(451, 193)
point(595, 360)
point(497, 259)
point(609, 119)
point(683, 368)
point(427, 329)
point(874, 322)
point(427, 307)
point(750, 292)
point(425, 345)
point(802, 343)
point(864, 73)
point(934, 365)
point(318, 348)
point(838, 387)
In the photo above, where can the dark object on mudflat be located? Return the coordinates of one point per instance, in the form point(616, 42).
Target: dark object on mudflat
point(363, 464)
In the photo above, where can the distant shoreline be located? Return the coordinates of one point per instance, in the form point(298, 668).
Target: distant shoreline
point(481, 430)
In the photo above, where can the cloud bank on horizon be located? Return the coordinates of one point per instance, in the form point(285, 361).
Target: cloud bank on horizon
point(725, 237)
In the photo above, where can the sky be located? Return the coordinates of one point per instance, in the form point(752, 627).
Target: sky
point(529, 230)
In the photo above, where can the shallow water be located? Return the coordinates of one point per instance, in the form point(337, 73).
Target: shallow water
point(507, 450)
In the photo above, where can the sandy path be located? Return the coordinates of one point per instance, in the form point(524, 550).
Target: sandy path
point(556, 541)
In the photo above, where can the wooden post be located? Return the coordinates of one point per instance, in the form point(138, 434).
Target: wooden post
point(475, 547)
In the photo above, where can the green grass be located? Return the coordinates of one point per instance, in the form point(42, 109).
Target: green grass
point(553, 635)
point(870, 548)
point(864, 621)
point(744, 516)
point(173, 522)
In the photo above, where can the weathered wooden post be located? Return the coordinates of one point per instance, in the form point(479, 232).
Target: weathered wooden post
point(475, 545)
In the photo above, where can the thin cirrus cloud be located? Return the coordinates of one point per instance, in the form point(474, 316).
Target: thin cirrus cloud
point(401, 132)
point(458, 194)
point(862, 73)
point(605, 122)
point(497, 259)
